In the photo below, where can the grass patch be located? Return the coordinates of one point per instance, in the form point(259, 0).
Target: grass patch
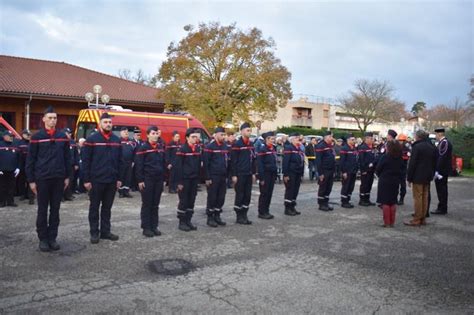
point(469, 172)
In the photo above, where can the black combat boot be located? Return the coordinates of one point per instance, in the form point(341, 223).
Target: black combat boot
point(239, 217)
point(244, 214)
point(189, 215)
point(148, 233)
point(44, 246)
point(183, 226)
point(53, 245)
point(211, 220)
point(217, 218)
point(288, 210)
point(293, 208)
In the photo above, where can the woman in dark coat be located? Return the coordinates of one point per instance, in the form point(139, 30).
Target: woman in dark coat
point(389, 171)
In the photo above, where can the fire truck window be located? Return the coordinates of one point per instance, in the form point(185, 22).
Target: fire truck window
point(85, 129)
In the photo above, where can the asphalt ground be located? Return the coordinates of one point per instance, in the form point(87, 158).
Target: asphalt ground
point(339, 262)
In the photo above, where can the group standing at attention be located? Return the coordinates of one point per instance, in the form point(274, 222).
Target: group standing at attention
point(109, 163)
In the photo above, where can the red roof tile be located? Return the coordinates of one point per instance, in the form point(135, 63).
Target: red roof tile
point(42, 77)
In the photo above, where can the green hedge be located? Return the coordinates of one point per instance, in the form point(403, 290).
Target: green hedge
point(463, 144)
point(338, 133)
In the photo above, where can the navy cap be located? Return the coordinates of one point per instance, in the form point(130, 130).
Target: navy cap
point(49, 110)
point(105, 116)
point(189, 131)
point(268, 134)
point(244, 125)
point(219, 129)
point(392, 132)
point(123, 129)
point(137, 130)
point(149, 129)
point(441, 129)
point(295, 134)
point(368, 134)
point(175, 132)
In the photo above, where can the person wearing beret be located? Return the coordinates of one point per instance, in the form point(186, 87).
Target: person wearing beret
point(293, 170)
point(349, 168)
point(267, 173)
point(326, 165)
point(443, 170)
point(243, 168)
point(47, 172)
point(367, 161)
point(129, 148)
point(150, 166)
point(171, 149)
point(188, 165)
point(103, 168)
point(9, 169)
point(68, 193)
point(215, 160)
point(23, 187)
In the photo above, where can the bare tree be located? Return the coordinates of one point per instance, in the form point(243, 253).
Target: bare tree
point(371, 101)
point(139, 77)
point(125, 74)
point(456, 114)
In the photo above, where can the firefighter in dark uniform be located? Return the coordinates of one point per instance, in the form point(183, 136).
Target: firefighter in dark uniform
point(188, 165)
point(150, 167)
point(24, 188)
point(215, 165)
point(128, 155)
point(243, 163)
point(293, 170)
point(137, 139)
point(102, 161)
point(311, 155)
point(349, 169)
point(47, 172)
point(406, 152)
point(367, 169)
point(171, 149)
point(267, 173)
point(443, 170)
point(230, 142)
point(326, 164)
point(74, 166)
point(9, 169)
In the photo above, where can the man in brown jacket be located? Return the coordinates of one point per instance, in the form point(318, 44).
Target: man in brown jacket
point(421, 169)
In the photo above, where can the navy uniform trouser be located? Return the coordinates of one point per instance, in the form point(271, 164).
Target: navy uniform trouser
point(243, 192)
point(151, 196)
point(216, 193)
point(348, 187)
point(366, 182)
point(24, 189)
point(101, 196)
point(50, 193)
point(403, 184)
point(187, 197)
point(127, 179)
point(172, 179)
point(325, 187)
point(7, 187)
point(442, 190)
point(266, 192)
point(292, 188)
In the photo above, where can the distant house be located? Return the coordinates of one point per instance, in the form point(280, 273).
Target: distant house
point(39, 83)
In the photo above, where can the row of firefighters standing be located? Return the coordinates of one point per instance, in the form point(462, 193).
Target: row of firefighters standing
point(106, 166)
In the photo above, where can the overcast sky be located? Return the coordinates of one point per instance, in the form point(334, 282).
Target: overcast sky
point(424, 48)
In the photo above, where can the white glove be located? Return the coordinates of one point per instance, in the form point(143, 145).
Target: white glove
point(17, 171)
point(1, 173)
point(371, 165)
point(438, 176)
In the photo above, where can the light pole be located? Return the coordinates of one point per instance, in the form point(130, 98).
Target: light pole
point(97, 89)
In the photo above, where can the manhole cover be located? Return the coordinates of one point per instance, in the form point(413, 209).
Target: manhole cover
point(171, 267)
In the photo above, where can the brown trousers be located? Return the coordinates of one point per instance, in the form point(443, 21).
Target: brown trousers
point(420, 200)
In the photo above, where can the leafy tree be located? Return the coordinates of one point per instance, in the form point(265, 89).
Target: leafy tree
point(371, 101)
point(221, 73)
point(418, 107)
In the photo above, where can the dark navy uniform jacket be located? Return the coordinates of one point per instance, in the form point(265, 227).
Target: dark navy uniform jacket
point(150, 161)
point(243, 158)
point(102, 159)
point(266, 160)
point(325, 157)
point(445, 155)
point(348, 160)
point(188, 163)
point(128, 150)
point(366, 157)
point(406, 153)
point(293, 160)
point(48, 156)
point(171, 150)
point(74, 153)
point(23, 145)
point(9, 156)
point(215, 159)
